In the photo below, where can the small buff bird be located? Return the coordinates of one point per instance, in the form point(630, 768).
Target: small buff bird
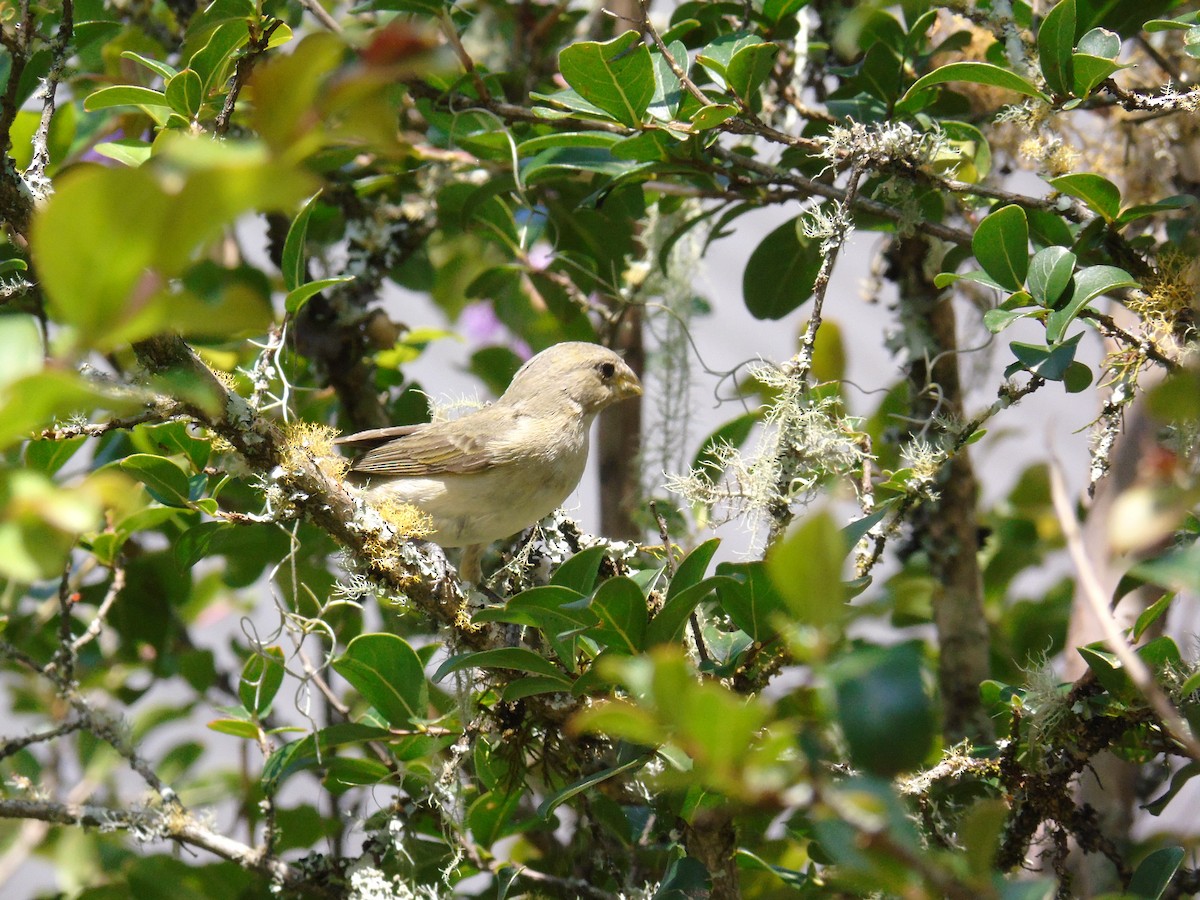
point(498, 470)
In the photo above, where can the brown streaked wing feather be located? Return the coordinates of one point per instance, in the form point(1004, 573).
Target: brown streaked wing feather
point(469, 444)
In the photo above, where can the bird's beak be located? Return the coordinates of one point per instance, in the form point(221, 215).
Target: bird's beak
point(628, 384)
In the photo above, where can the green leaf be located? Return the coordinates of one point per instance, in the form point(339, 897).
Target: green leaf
point(50, 456)
point(1109, 671)
point(238, 728)
point(1050, 363)
point(749, 596)
point(193, 545)
point(617, 76)
point(886, 715)
point(1101, 195)
point(619, 605)
point(554, 801)
point(1155, 872)
point(807, 570)
point(976, 73)
point(1100, 42)
point(262, 676)
point(1167, 204)
point(1001, 244)
point(1178, 569)
point(668, 623)
point(128, 151)
point(316, 749)
point(1090, 71)
point(708, 117)
point(1050, 272)
point(780, 273)
point(503, 658)
point(1151, 614)
point(1055, 41)
point(1089, 283)
point(293, 263)
point(161, 69)
point(580, 571)
point(166, 482)
point(692, 567)
point(296, 299)
point(124, 95)
point(749, 67)
point(387, 672)
point(668, 92)
point(185, 94)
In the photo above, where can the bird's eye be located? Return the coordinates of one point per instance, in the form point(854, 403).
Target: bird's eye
point(607, 370)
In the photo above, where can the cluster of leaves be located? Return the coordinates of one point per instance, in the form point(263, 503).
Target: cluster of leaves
point(633, 719)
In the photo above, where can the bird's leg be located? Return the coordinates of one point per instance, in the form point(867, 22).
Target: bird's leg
point(470, 566)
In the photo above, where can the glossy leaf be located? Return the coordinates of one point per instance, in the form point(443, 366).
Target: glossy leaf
point(616, 76)
point(388, 674)
point(1055, 42)
point(295, 300)
point(1089, 283)
point(517, 658)
point(1001, 244)
point(1154, 873)
point(165, 481)
point(749, 596)
point(780, 273)
point(621, 608)
point(262, 676)
point(1048, 362)
point(1050, 272)
point(293, 260)
point(976, 73)
point(1101, 195)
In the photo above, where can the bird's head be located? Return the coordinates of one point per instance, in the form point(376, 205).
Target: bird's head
point(587, 374)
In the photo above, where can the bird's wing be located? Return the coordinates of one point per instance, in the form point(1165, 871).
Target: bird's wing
point(475, 442)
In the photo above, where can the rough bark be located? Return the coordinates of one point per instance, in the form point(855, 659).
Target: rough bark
point(947, 529)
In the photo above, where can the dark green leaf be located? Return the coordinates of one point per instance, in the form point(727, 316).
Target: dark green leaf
point(749, 67)
point(1167, 204)
point(165, 481)
point(387, 672)
point(1155, 872)
point(1001, 244)
point(780, 273)
point(617, 76)
point(886, 715)
point(292, 265)
point(621, 609)
point(1055, 41)
point(1101, 195)
point(1050, 363)
point(664, 105)
point(1090, 71)
point(184, 94)
point(553, 802)
point(692, 567)
point(193, 544)
point(751, 599)
point(579, 572)
point(503, 658)
point(296, 299)
point(977, 73)
point(262, 676)
point(1178, 569)
point(668, 623)
point(1050, 272)
point(1089, 283)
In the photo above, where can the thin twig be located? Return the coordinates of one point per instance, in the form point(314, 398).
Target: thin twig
point(35, 172)
point(1093, 593)
point(158, 823)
